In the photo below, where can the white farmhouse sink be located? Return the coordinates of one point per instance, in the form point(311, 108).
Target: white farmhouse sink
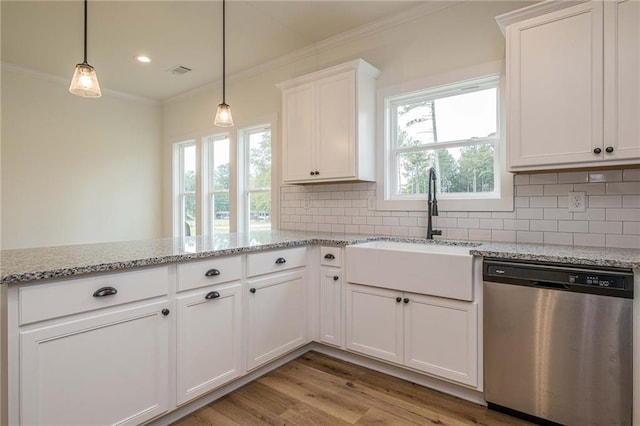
point(432, 269)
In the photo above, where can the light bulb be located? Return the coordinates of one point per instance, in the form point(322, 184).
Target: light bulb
point(85, 82)
point(223, 116)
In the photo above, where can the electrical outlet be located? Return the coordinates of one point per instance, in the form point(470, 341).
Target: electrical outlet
point(577, 201)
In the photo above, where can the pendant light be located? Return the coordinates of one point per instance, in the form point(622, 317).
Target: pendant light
point(223, 113)
point(85, 81)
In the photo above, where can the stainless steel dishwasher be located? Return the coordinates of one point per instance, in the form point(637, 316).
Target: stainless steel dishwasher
point(558, 342)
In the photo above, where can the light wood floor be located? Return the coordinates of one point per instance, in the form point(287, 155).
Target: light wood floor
point(315, 389)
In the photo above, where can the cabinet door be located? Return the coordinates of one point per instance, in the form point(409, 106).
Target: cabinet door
point(105, 369)
point(209, 337)
point(441, 337)
point(336, 139)
point(374, 322)
point(555, 87)
point(331, 306)
point(276, 316)
point(298, 133)
point(622, 84)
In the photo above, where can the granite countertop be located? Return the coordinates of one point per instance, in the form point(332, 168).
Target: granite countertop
point(32, 264)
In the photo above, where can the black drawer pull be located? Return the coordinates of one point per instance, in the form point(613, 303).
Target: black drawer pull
point(165, 312)
point(597, 151)
point(212, 273)
point(406, 300)
point(105, 291)
point(336, 278)
point(609, 149)
point(281, 260)
point(252, 290)
point(398, 299)
point(212, 295)
point(329, 256)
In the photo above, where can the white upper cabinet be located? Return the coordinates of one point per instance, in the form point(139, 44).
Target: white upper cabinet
point(573, 85)
point(329, 125)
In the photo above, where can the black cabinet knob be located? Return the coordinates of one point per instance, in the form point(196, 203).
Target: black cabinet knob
point(311, 173)
point(165, 312)
point(406, 300)
point(281, 260)
point(317, 173)
point(212, 295)
point(398, 299)
point(329, 256)
point(252, 290)
point(597, 150)
point(609, 149)
point(336, 278)
point(212, 273)
point(105, 291)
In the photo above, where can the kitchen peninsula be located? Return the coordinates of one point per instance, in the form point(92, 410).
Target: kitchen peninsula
point(137, 318)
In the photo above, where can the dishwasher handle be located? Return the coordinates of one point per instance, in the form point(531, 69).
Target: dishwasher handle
point(553, 286)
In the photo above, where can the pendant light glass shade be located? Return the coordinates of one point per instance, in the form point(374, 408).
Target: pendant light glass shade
point(223, 113)
point(223, 116)
point(85, 82)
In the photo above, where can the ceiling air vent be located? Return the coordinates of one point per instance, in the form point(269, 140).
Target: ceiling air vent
point(178, 70)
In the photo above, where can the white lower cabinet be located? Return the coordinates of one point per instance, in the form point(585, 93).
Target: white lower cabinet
point(104, 369)
point(331, 306)
point(209, 339)
point(276, 316)
point(435, 335)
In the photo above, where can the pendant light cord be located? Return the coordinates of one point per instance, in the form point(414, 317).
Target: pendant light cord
point(223, 50)
point(85, 32)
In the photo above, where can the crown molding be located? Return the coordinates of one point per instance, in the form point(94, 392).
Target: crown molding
point(363, 31)
point(17, 69)
point(533, 11)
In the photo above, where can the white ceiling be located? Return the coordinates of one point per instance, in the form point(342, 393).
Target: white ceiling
point(46, 36)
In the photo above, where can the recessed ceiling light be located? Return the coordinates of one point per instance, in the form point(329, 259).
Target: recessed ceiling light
point(143, 59)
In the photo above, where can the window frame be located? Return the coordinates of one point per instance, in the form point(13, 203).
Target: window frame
point(486, 76)
point(207, 192)
point(178, 186)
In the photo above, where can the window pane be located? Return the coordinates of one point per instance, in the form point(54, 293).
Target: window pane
point(189, 214)
point(458, 170)
point(414, 124)
point(260, 160)
point(259, 210)
point(220, 164)
point(220, 203)
point(467, 116)
point(189, 168)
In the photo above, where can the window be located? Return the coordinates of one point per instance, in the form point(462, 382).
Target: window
point(231, 189)
point(185, 188)
point(454, 128)
point(218, 183)
point(257, 177)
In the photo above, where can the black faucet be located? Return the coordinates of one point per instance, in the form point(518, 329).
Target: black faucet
point(432, 206)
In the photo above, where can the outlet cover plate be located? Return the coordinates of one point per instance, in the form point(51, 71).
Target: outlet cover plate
point(577, 201)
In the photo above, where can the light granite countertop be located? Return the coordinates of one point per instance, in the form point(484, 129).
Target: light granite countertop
point(32, 264)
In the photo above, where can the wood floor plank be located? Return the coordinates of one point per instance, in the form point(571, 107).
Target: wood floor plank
point(315, 389)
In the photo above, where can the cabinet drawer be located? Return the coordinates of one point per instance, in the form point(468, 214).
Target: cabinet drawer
point(276, 260)
point(56, 299)
point(207, 272)
point(331, 256)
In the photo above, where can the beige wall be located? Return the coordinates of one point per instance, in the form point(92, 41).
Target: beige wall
point(454, 38)
point(76, 170)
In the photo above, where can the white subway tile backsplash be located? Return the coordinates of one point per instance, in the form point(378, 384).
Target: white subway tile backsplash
point(540, 215)
point(630, 215)
point(595, 240)
point(606, 176)
point(543, 225)
point(573, 226)
point(629, 175)
point(603, 201)
point(529, 237)
point(543, 178)
point(564, 238)
point(529, 190)
point(624, 241)
point(543, 202)
point(560, 189)
point(573, 177)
